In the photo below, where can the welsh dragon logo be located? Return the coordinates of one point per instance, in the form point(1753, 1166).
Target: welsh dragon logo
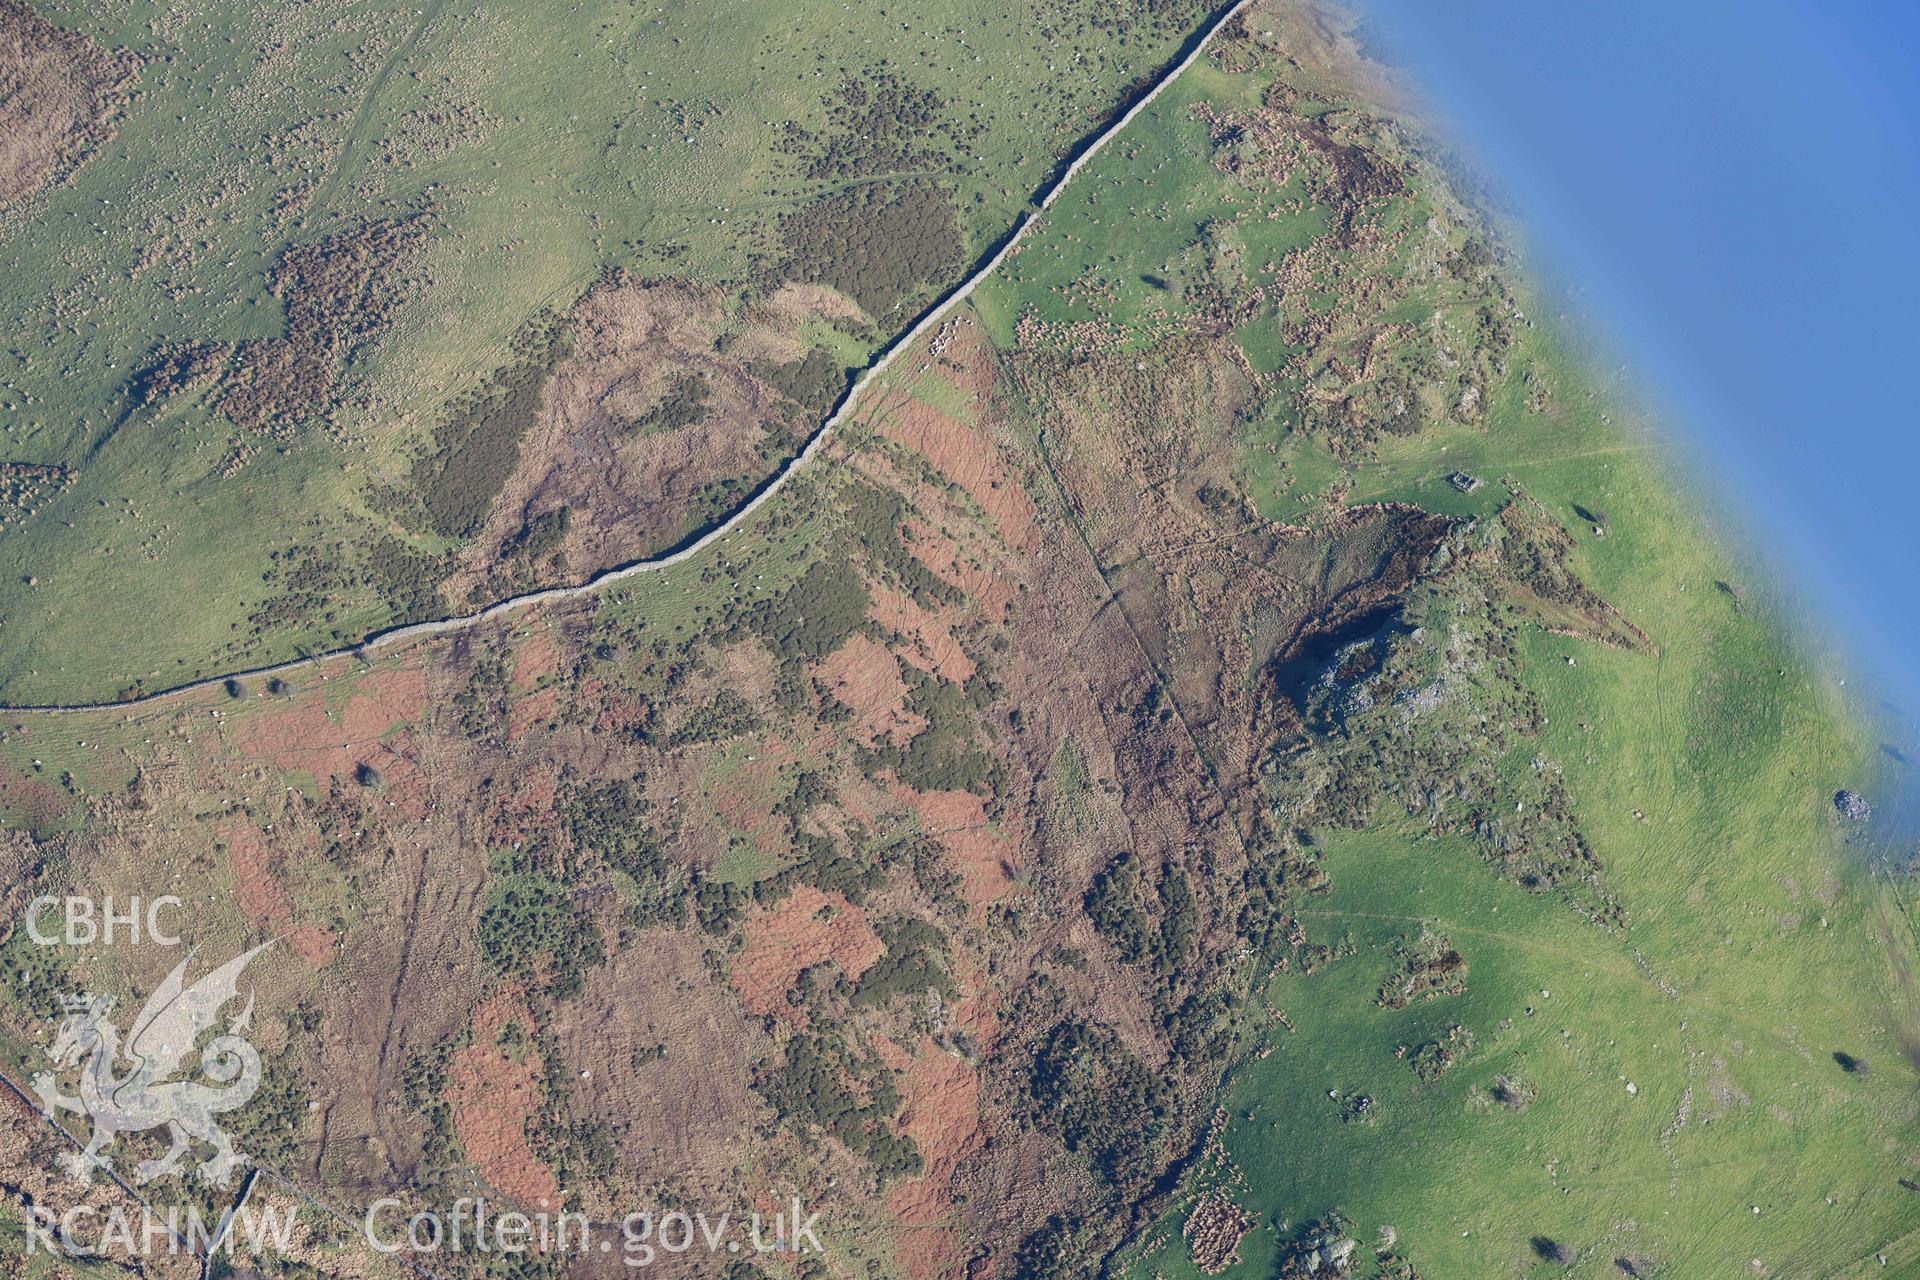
point(143, 1094)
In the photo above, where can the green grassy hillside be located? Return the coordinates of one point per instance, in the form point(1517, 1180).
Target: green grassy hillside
point(1715, 1083)
point(1717, 1087)
point(534, 149)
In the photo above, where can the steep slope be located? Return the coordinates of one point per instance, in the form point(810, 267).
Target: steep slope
point(1231, 754)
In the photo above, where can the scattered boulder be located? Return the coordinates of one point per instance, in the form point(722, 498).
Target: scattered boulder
point(1322, 1248)
point(1337, 1255)
point(1852, 806)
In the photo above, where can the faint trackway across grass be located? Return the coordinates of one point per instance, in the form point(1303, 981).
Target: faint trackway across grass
point(363, 114)
point(317, 209)
point(1071, 164)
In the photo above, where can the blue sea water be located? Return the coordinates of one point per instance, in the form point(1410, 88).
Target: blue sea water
point(1735, 186)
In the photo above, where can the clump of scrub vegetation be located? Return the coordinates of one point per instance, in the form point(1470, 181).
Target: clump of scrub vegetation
point(477, 445)
point(879, 243)
point(530, 929)
point(851, 1098)
point(682, 405)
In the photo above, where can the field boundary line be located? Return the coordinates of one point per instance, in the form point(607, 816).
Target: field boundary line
point(933, 315)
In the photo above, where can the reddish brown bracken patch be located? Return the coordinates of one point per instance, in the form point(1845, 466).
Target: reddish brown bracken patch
point(964, 455)
point(493, 1095)
point(537, 657)
point(37, 803)
point(796, 935)
point(534, 709)
point(262, 898)
point(941, 1113)
point(302, 735)
point(982, 856)
point(992, 592)
point(266, 902)
point(613, 708)
point(931, 645)
point(864, 675)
